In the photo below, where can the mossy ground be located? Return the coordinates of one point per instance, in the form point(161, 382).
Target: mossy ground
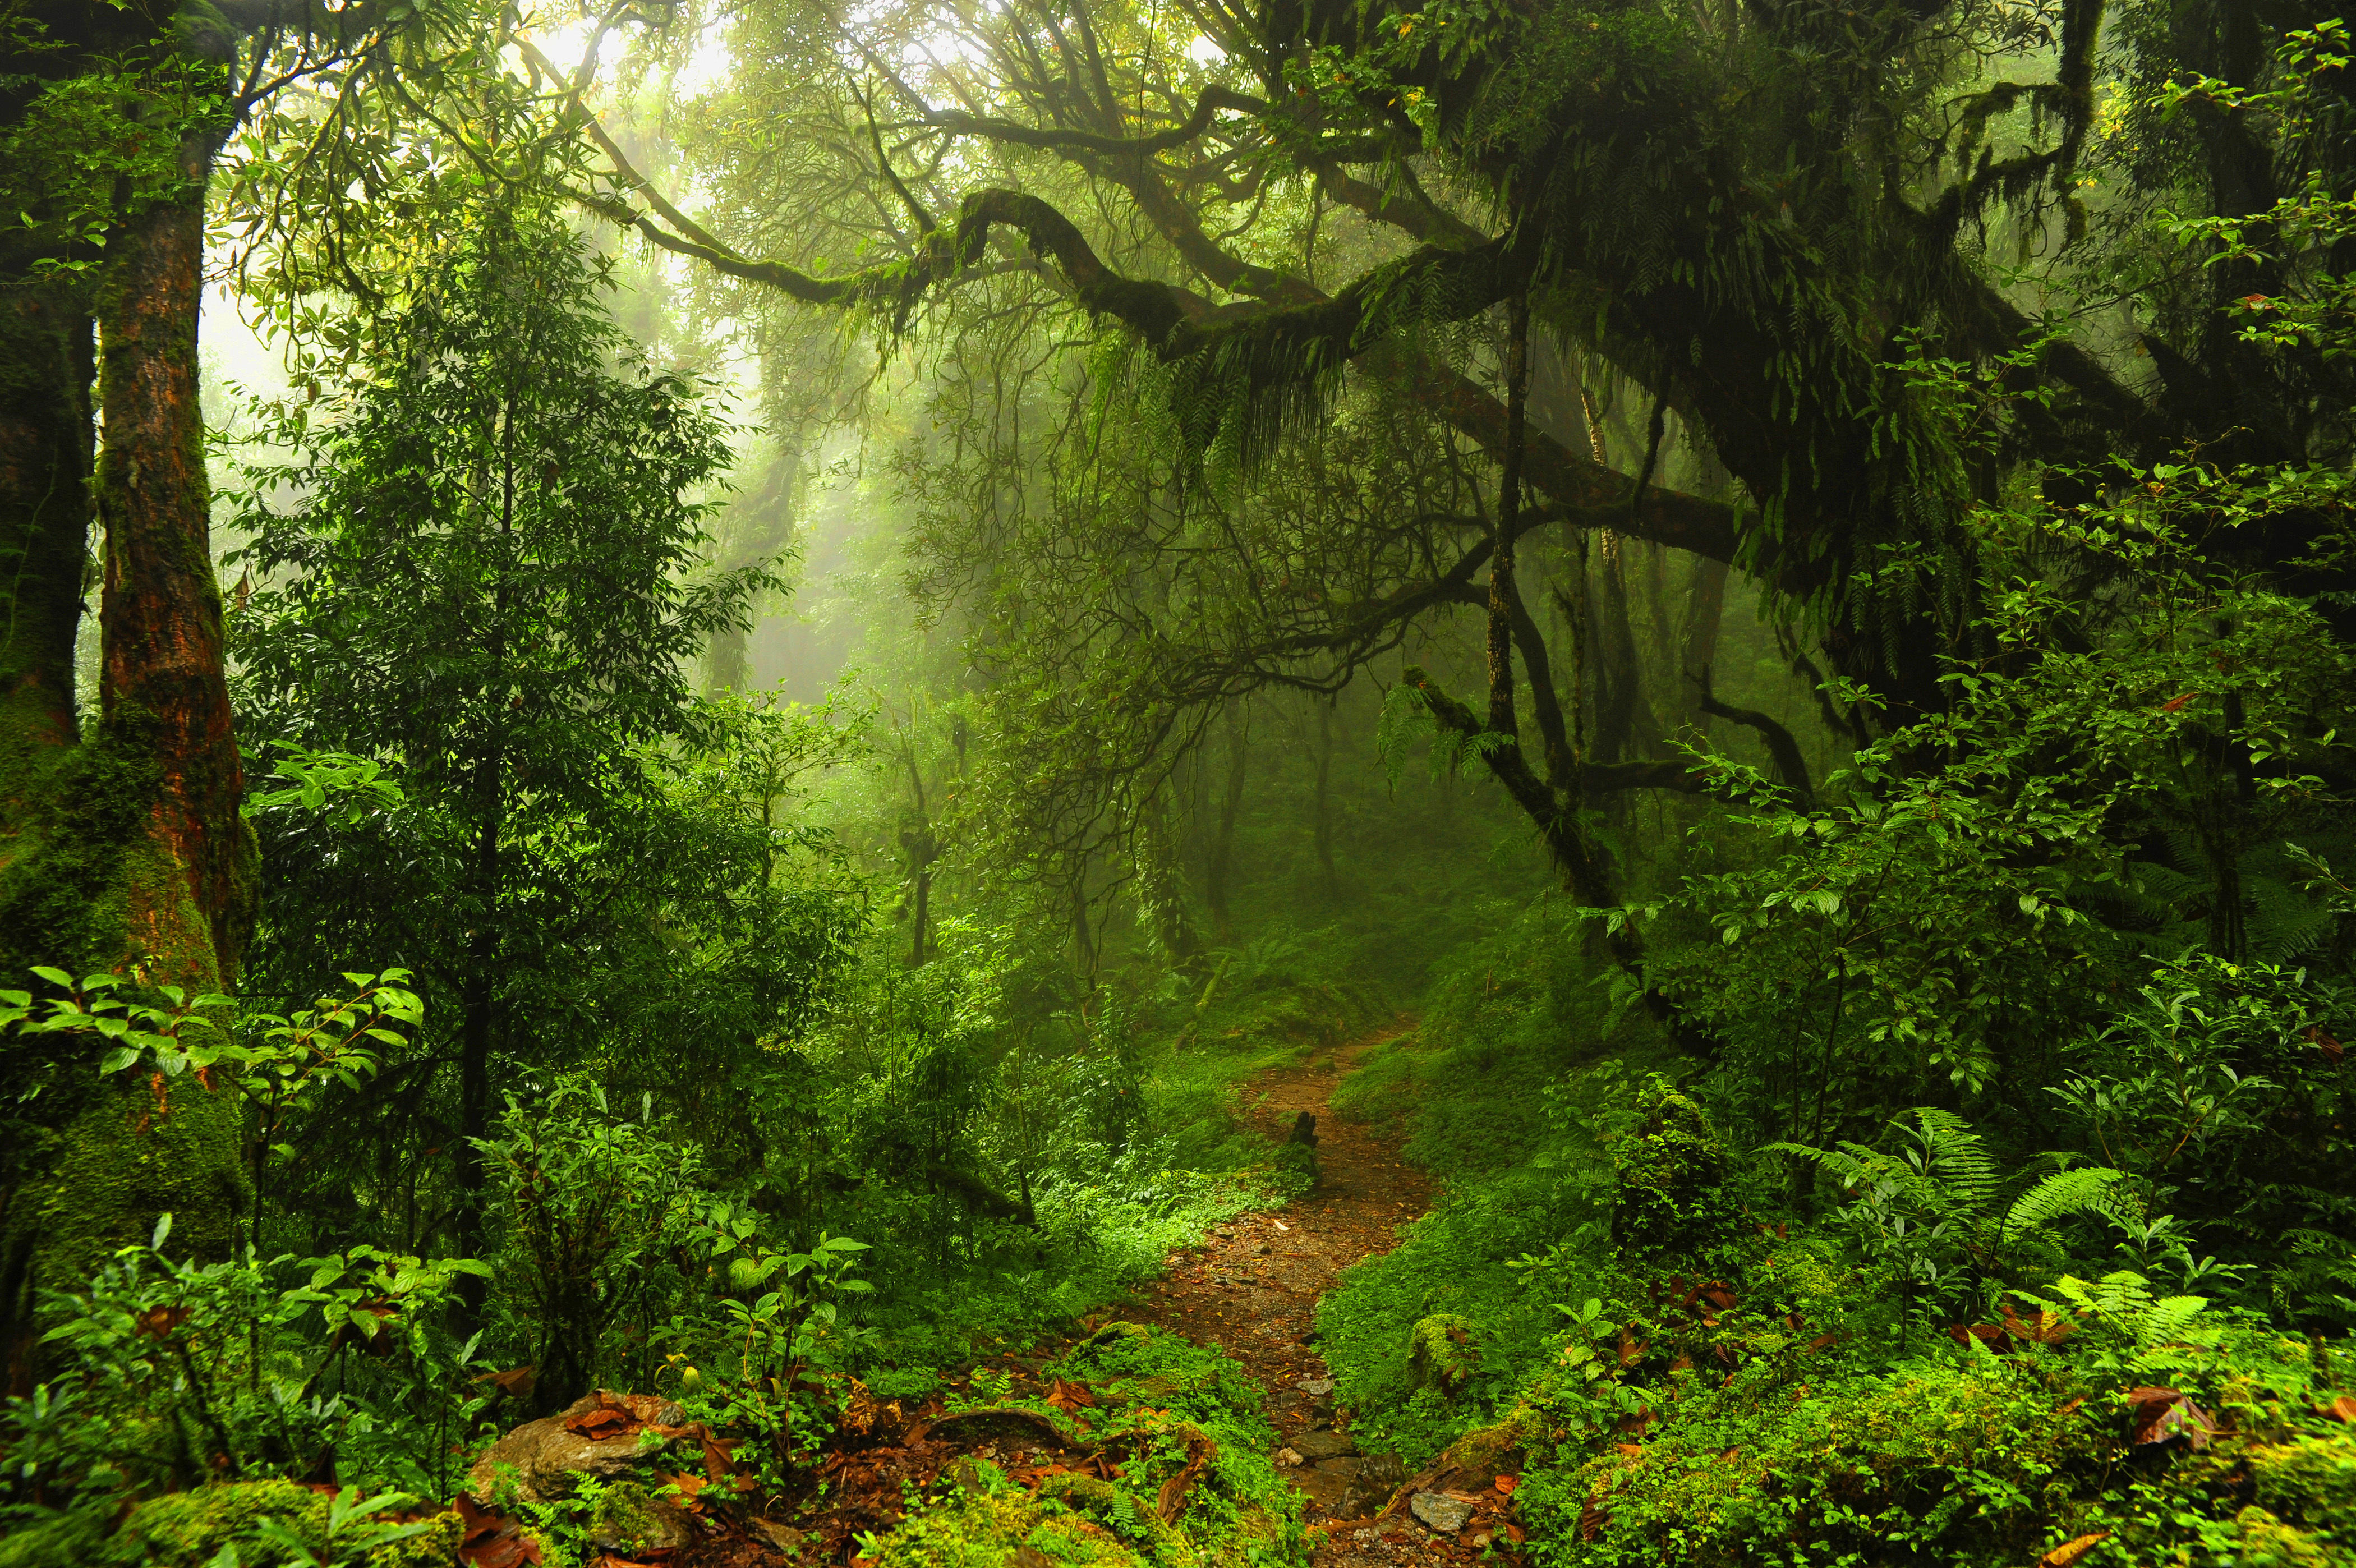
point(188, 1529)
point(1181, 1473)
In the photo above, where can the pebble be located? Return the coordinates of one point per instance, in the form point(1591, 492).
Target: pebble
point(1288, 1458)
point(1316, 1387)
point(1442, 1513)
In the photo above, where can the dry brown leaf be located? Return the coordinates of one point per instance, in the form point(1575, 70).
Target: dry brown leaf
point(2069, 1551)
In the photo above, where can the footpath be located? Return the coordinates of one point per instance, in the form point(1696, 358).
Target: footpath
point(1252, 1287)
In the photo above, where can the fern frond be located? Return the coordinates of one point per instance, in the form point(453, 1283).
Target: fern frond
point(1956, 1161)
point(2169, 1316)
point(2089, 1189)
point(1853, 1162)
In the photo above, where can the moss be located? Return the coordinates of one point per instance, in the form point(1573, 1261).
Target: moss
point(625, 1519)
point(52, 1541)
point(2262, 1541)
point(2313, 1478)
point(1762, 1470)
point(188, 1529)
point(1670, 1172)
point(1443, 1355)
point(992, 1528)
point(86, 883)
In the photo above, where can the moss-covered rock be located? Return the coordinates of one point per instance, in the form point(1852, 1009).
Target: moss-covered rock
point(1444, 1354)
point(188, 1529)
point(992, 1527)
point(1669, 1172)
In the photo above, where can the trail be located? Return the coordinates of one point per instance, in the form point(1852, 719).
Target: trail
point(1252, 1289)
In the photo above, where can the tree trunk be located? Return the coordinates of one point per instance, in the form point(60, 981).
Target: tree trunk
point(1324, 812)
point(764, 525)
point(1705, 609)
point(161, 675)
point(1220, 862)
point(1161, 890)
point(126, 852)
point(46, 348)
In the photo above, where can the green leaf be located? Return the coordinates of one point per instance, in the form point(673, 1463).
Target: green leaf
point(163, 1228)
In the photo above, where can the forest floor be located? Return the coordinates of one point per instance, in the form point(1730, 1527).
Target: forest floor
point(1252, 1287)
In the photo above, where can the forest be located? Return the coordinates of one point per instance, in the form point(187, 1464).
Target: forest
point(1177, 783)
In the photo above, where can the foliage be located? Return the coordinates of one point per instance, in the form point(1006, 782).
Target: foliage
point(180, 1372)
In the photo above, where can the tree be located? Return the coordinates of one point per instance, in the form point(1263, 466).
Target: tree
point(489, 581)
point(1756, 217)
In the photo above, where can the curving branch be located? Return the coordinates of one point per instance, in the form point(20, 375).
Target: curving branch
point(1791, 765)
point(1207, 103)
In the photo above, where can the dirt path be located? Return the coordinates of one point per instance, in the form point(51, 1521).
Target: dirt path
point(1252, 1289)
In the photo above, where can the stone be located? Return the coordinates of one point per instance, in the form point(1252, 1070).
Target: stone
point(547, 1461)
point(1316, 1387)
point(1442, 1512)
point(1324, 1445)
point(630, 1521)
point(1287, 1457)
point(1329, 1489)
point(785, 1538)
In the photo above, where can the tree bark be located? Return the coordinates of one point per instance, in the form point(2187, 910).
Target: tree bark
point(1705, 610)
point(161, 675)
point(127, 851)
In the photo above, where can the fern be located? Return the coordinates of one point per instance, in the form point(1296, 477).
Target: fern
point(2090, 1189)
point(1956, 1160)
point(2168, 1318)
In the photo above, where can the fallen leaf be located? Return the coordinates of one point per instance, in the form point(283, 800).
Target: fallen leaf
point(2161, 1415)
point(1506, 1485)
point(1069, 1396)
point(491, 1540)
point(161, 1321)
point(2069, 1551)
point(2342, 1409)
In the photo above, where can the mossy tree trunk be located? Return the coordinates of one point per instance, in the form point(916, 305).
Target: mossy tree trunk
point(122, 848)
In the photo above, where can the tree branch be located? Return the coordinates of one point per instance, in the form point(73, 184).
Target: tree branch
point(1790, 764)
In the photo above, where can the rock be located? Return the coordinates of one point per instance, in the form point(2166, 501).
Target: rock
point(1443, 1513)
point(1378, 1469)
point(1324, 1445)
point(630, 1520)
point(546, 1460)
point(1329, 1489)
point(1287, 1457)
point(1263, 1249)
point(1352, 1486)
point(1316, 1387)
point(785, 1538)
